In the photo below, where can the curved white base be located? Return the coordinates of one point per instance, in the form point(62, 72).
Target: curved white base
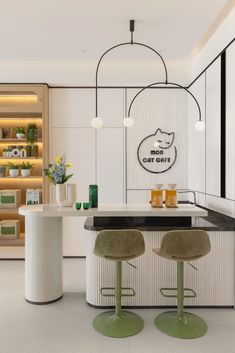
point(43, 259)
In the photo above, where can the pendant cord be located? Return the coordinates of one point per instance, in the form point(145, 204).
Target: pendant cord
point(132, 29)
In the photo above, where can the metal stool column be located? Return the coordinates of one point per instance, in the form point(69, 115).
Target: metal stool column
point(180, 288)
point(118, 288)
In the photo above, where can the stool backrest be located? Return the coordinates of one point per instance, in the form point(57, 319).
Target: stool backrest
point(119, 244)
point(185, 245)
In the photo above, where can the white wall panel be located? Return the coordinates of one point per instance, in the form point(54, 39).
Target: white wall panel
point(196, 139)
point(230, 122)
point(71, 107)
point(213, 129)
point(111, 106)
point(79, 147)
point(138, 196)
point(165, 109)
point(110, 165)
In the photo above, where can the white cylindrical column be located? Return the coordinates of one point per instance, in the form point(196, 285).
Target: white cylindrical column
point(43, 259)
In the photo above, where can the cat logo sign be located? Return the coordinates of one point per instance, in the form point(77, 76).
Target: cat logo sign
point(156, 153)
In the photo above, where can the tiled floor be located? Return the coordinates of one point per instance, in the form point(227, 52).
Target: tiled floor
point(66, 326)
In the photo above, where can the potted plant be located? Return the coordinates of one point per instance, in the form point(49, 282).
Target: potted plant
point(32, 137)
point(13, 169)
point(32, 133)
point(25, 169)
point(20, 132)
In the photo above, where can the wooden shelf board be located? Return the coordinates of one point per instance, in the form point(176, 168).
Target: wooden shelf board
point(16, 140)
point(20, 177)
point(14, 242)
point(39, 158)
point(9, 210)
point(19, 116)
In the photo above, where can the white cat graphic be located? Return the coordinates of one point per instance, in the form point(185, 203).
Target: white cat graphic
point(156, 153)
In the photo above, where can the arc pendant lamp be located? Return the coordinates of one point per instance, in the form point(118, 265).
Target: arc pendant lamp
point(97, 121)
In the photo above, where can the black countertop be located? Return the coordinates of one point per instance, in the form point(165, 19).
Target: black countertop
point(213, 222)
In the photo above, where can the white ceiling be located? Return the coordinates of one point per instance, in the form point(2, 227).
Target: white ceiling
point(82, 30)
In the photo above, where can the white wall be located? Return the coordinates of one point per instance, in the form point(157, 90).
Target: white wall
point(209, 86)
point(218, 41)
point(230, 123)
point(196, 139)
point(213, 129)
point(82, 73)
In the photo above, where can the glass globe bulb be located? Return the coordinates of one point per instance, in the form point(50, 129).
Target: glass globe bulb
point(156, 144)
point(96, 122)
point(200, 125)
point(127, 121)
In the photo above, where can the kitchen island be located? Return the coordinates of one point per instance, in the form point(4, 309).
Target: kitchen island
point(44, 254)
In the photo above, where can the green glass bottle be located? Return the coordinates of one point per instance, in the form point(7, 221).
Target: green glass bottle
point(93, 196)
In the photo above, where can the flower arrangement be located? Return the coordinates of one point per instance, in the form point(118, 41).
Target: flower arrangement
point(57, 172)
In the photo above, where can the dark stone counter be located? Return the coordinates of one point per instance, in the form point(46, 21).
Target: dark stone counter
point(213, 222)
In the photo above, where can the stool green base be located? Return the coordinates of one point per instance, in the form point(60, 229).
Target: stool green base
point(187, 326)
point(123, 325)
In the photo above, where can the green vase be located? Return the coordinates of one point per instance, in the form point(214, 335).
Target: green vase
point(34, 151)
point(28, 150)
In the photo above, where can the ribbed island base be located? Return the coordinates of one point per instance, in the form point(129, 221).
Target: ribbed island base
point(212, 278)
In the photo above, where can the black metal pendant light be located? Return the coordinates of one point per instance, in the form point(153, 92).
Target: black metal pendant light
point(97, 122)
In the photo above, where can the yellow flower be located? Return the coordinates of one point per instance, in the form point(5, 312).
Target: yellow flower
point(58, 159)
point(69, 165)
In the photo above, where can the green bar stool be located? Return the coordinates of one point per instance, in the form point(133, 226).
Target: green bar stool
point(118, 246)
point(181, 246)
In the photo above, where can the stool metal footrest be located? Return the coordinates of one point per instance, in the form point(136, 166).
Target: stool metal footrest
point(109, 289)
point(164, 292)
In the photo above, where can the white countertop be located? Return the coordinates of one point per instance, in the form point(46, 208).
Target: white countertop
point(114, 210)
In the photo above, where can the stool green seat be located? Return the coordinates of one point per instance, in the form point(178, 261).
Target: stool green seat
point(118, 246)
point(181, 246)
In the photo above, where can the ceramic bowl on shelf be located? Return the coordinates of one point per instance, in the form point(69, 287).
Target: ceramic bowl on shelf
point(20, 136)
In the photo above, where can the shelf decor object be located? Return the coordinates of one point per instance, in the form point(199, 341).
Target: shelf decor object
point(10, 198)
point(13, 169)
point(20, 132)
point(97, 121)
point(9, 229)
point(32, 137)
point(25, 169)
point(33, 197)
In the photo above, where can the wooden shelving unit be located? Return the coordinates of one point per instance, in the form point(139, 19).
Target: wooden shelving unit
point(21, 105)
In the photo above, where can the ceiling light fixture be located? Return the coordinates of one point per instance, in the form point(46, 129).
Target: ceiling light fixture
point(97, 121)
